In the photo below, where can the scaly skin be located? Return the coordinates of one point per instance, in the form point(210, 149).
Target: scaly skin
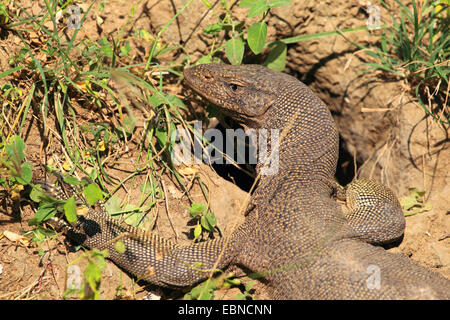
point(294, 232)
point(295, 236)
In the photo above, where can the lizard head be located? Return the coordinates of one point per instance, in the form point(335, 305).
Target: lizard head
point(245, 92)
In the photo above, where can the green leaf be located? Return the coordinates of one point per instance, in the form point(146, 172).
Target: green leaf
point(107, 51)
point(93, 276)
point(106, 48)
point(144, 34)
point(197, 209)
point(416, 192)
point(249, 285)
point(425, 207)
point(203, 291)
point(240, 296)
point(234, 50)
point(208, 292)
point(129, 124)
point(127, 127)
point(27, 174)
point(132, 218)
point(15, 149)
point(206, 223)
point(70, 210)
point(36, 193)
point(408, 202)
point(251, 3)
point(8, 72)
point(214, 28)
point(279, 3)
point(211, 218)
point(197, 231)
point(43, 213)
point(207, 3)
point(174, 100)
point(411, 200)
point(20, 147)
point(146, 188)
point(256, 36)
point(204, 60)
point(157, 99)
point(92, 193)
point(234, 26)
point(92, 273)
point(71, 180)
point(41, 234)
point(100, 255)
point(162, 134)
point(119, 246)
point(383, 43)
point(4, 16)
point(257, 9)
point(276, 60)
point(113, 205)
point(234, 281)
point(125, 49)
point(414, 202)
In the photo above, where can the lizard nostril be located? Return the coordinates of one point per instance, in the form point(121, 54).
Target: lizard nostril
point(208, 77)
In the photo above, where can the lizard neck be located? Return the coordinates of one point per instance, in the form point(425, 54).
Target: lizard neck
point(308, 138)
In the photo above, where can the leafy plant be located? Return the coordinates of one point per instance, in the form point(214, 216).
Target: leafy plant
point(417, 48)
point(255, 34)
point(90, 285)
point(246, 294)
point(206, 221)
point(4, 15)
point(414, 203)
point(9, 91)
point(205, 290)
point(12, 162)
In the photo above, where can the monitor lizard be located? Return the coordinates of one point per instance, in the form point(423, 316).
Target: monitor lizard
point(295, 238)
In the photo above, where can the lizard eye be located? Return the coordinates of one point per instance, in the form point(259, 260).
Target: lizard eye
point(234, 87)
